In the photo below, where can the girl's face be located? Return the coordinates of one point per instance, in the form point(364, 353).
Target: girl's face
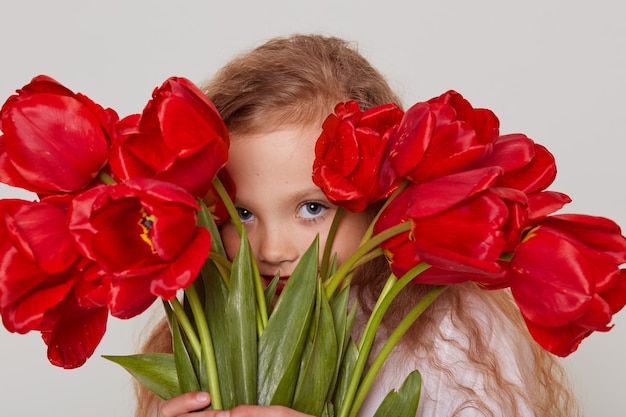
point(280, 206)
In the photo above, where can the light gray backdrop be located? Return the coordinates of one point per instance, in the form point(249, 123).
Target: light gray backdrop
point(551, 69)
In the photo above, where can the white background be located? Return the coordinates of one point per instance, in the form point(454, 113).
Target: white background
point(554, 70)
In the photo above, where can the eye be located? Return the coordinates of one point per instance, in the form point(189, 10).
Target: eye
point(311, 210)
point(245, 215)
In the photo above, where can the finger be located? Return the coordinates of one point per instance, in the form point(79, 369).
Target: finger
point(185, 403)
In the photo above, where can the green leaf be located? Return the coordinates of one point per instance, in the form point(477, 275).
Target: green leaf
point(215, 306)
point(343, 327)
point(270, 293)
point(206, 220)
point(188, 378)
point(318, 368)
point(242, 321)
point(185, 371)
point(329, 410)
point(348, 364)
point(282, 342)
point(156, 371)
point(404, 402)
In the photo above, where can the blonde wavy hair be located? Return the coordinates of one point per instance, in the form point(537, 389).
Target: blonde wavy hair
point(297, 80)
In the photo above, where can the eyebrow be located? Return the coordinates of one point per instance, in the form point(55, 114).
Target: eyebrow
point(314, 193)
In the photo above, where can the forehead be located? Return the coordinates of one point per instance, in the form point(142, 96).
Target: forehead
point(282, 158)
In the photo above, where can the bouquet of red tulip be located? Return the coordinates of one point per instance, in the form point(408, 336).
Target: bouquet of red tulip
point(129, 211)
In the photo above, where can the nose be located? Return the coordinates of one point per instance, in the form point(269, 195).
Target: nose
point(274, 246)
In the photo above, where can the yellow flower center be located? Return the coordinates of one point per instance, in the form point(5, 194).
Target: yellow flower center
point(145, 222)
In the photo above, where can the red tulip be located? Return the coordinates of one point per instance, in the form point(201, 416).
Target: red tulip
point(440, 137)
point(526, 166)
point(566, 279)
point(456, 225)
point(72, 332)
point(179, 138)
point(351, 156)
point(54, 140)
point(143, 234)
point(33, 278)
point(483, 121)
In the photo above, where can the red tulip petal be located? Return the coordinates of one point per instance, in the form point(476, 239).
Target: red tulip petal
point(46, 84)
point(597, 317)
point(90, 288)
point(541, 204)
point(560, 341)
point(18, 275)
point(169, 216)
point(442, 193)
point(35, 228)
point(452, 148)
point(340, 152)
point(483, 121)
point(381, 118)
point(130, 293)
point(403, 257)
point(121, 247)
point(510, 152)
point(72, 333)
point(183, 271)
point(179, 138)
point(9, 175)
point(596, 233)
point(535, 176)
point(552, 280)
point(615, 296)
point(27, 313)
point(464, 238)
point(411, 139)
point(54, 142)
point(437, 276)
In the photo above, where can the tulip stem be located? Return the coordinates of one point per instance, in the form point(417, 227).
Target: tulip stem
point(390, 291)
point(333, 282)
point(220, 260)
point(106, 178)
point(370, 229)
point(258, 286)
point(329, 242)
point(390, 343)
point(208, 353)
point(185, 323)
point(262, 316)
point(228, 203)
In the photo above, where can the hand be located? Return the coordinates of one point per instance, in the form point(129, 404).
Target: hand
point(184, 406)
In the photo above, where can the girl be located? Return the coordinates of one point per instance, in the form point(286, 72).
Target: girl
point(471, 346)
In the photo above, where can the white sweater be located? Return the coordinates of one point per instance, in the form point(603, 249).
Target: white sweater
point(440, 395)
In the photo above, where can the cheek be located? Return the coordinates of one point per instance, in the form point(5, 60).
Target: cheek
point(230, 239)
point(349, 235)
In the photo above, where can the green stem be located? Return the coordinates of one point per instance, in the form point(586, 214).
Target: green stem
point(260, 298)
point(206, 342)
point(368, 336)
point(258, 285)
point(333, 282)
point(390, 343)
point(228, 203)
point(220, 260)
point(106, 178)
point(332, 232)
point(370, 229)
point(373, 254)
point(390, 291)
point(185, 323)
